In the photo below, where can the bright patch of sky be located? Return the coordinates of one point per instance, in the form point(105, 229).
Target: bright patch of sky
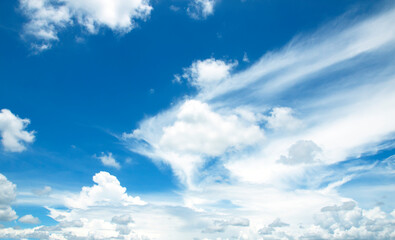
point(198, 119)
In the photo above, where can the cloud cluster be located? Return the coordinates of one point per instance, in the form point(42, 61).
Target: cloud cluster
point(13, 133)
point(46, 18)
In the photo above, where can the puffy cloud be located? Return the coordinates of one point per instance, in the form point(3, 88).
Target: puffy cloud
point(191, 133)
point(13, 133)
point(199, 130)
point(106, 191)
point(7, 213)
point(7, 196)
point(48, 17)
point(109, 160)
point(29, 219)
point(201, 9)
point(207, 73)
point(301, 152)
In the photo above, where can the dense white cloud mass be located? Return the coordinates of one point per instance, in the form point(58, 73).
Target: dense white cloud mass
point(29, 219)
point(201, 9)
point(194, 133)
point(7, 196)
point(13, 133)
point(48, 17)
point(109, 160)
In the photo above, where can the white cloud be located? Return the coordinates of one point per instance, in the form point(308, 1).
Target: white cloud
point(208, 73)
point(199, 130)
point(47, 18)
point(106, 191)
point(7, 196)
point(109, 160)
point(13, 133)
point(29, 219)
point(192, 132)
point(281, 118)
point(201, 9)
point(301, 152)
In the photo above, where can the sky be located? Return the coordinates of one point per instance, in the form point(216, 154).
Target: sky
point(197, 119)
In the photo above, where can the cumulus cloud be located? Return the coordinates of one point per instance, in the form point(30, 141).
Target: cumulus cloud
point(207, 73)
point(193, 132)
point(13, 133)
point(302, 151)
point(7, 196)
point(199, 130)
point(106, 191)
point(29, 219)
point(46, 18)
point(109, 160)
point(201, 9)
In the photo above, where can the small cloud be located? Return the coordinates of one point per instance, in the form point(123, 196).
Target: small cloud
point(129, 160)
point(79, 39)
point(201, 9)
point(174, 8)
point(245, 57)
point(42, 192)
point(177, 79)
point(29, 219)
point(206, 73)
point(281, 118)
point(278, 223)
point(151, 91)
point(109, 160)
point(301, 152)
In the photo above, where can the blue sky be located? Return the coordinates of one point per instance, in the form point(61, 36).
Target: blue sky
point(197, 119)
